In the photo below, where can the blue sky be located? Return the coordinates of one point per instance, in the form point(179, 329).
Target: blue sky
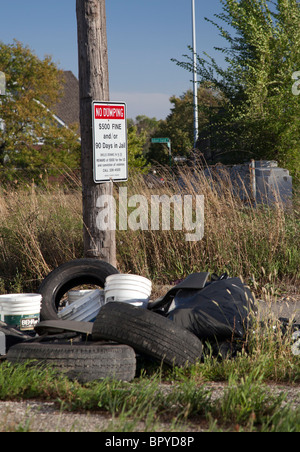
point(143, 36)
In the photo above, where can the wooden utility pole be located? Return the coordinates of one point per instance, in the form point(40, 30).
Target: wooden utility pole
point(94, 86)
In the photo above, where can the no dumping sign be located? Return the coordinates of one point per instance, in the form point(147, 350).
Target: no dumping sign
point(110, 142)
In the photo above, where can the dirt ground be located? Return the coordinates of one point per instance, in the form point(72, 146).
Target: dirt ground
point(36, 416)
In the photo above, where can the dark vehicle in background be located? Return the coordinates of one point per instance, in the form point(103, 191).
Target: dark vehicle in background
point(153, 180)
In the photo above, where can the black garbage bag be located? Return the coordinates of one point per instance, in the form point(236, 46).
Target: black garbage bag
point(219, 312)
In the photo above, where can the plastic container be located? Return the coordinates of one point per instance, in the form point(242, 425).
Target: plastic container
point(21, 311)
point(128, 278)
point(125, 286)
point(85, 308)
point(131, 289)
point(75, 295)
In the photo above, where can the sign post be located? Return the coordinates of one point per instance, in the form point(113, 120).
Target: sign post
point(110, 142)
point(195, 80)
point(93, 84)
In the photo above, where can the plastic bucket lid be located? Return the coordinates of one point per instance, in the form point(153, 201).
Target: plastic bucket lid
point(83, 303)
point(84, 308)
point(84, 316)
point(74, 295)
point(80, 312)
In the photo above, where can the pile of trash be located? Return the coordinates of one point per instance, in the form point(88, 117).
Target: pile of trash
point(94, 334)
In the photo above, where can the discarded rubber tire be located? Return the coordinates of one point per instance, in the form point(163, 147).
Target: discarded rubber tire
point(148, 333)
point(54, 327)
point(68, 276)
point(83, 362)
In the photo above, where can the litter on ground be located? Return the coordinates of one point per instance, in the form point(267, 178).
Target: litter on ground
point(94, 334)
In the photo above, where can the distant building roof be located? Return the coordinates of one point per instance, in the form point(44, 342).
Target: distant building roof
point(67, 109)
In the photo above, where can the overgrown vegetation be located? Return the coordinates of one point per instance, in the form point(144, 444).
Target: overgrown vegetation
point(32, 142)
point(41, 227)
point(259, 116)
point(260, 242)
point(179, 125)
point(247, 110)
point(30, 137)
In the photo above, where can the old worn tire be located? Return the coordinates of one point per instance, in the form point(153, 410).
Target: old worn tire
point(84, 362)
point(148, 333)
point(68, 276)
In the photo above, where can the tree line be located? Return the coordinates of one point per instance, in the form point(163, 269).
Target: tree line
point(249, 108)
point(259, 112)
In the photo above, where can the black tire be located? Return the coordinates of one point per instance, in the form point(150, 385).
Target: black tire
point(148, 333)
point(68, 276)
point(83, 362)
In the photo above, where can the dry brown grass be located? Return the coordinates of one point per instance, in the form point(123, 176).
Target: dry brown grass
point(259, 242)
point(40, 228)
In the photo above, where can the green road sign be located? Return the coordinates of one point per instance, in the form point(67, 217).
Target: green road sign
point(161, 140)
point(164, 141)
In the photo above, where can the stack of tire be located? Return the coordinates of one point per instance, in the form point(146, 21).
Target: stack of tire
point(119, 334)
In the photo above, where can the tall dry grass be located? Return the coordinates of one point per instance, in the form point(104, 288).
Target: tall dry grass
point(41, 227)
point(258, 242)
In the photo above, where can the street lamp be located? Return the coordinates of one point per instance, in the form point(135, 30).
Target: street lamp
point(195, 81)
point(2, 84)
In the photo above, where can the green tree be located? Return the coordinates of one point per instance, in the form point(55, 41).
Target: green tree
point(261, 117)
point(136, 142)
point(31, 138)
point(146, 128)
point(146, 125)
point(179, 125)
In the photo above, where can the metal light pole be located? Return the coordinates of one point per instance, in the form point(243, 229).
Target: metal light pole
point(2, 84)
point(195, 80)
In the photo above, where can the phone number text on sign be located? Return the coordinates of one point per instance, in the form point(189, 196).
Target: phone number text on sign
point(110, 142)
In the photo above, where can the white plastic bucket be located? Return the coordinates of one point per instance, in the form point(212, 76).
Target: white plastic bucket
point(131, 289)
point(85, 308)
point(21, 311)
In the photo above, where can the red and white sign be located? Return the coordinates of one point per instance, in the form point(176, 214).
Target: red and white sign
point(110, 142)
point(109, 112)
